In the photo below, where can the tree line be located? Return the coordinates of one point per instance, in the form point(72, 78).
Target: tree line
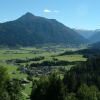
point(82, 82)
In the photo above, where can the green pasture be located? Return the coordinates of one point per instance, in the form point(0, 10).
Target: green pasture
point(73, 57)
point(31, 52)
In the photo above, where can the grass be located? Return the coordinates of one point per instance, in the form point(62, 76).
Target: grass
point(15, 56)
point(12, 68)
point(23, 53)
point(28, 88)
point(75, 57)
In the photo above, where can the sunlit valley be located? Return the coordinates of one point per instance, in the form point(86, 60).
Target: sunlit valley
point(42, 58)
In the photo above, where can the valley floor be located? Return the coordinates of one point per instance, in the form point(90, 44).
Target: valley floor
point(19, 62)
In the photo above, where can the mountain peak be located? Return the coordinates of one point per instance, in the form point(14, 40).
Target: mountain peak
point(27, 16)
point(30, 30)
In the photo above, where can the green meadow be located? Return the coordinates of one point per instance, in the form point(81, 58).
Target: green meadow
point(49, 54)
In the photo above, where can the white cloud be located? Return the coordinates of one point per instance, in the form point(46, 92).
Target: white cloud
point(51, 11)
point(47, 11)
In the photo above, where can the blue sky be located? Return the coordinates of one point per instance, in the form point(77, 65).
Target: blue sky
point(81, 14)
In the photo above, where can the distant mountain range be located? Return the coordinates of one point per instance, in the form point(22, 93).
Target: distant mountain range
point(92, 35)
point(86, 33)
point(96, 37)
point(29, 30)
point(95, 45)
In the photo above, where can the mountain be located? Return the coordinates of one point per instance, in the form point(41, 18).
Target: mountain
point(29, 30)
point(95, 45)
point(96, 37)
point(85, 33)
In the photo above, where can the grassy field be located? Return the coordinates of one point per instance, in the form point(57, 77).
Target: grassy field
point(31, 52)
point(74, 57)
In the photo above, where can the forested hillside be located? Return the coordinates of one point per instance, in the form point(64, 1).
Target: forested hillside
point(30, 30)
point(82, 82)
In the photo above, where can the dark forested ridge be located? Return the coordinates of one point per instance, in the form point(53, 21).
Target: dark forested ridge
point(82, 82)
point(29, 30)
point(96, 45)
